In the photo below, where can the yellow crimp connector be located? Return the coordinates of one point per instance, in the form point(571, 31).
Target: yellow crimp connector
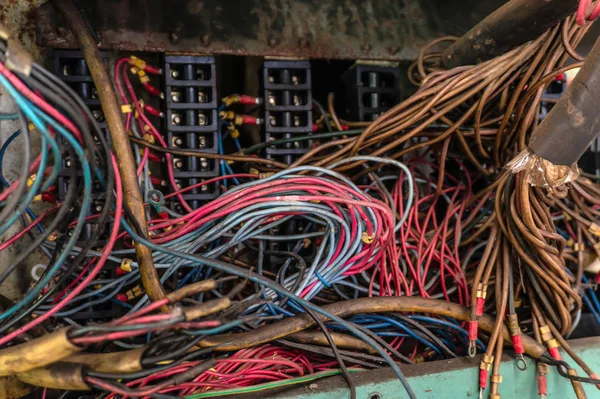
point(135, 292)
point(497, 378)
point(594, 229)
point(227, 115)
point(126, 265)
point(31, 180)
point(143, 77)
point(481, 291)
point(579, 247)
point(542, 368)
point(553, 343)
point(126, 108)
point(235, 134)
point(545, 333)
point(137, 62)
point(149, 138)
point(134, 70)
point(367, 238)
point(234, 98)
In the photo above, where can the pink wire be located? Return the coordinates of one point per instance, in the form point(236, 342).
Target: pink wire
point(90, 277)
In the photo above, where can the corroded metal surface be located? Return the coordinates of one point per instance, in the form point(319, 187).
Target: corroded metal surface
point(346, 29)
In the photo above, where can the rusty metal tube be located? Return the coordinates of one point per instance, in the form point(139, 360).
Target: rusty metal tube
point(574, 122)
point(515, 23)
point(120, 141)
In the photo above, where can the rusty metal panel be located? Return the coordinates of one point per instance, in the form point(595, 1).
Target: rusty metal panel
point(337, 29)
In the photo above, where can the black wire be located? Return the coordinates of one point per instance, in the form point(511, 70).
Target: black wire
point(336, 352)
point(428, 334)
point(22, 185)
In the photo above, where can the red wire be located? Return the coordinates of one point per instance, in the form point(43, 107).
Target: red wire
point(95, 270)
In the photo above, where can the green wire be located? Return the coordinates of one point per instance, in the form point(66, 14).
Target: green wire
point(257, 147)
point(270, 385)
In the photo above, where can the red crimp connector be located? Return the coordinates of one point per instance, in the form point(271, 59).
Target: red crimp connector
point(483, 378)
point(479, 305)
point(151, 110)
point(121, 297)
point(152, 89)
point(542, 384)
point(250, 120)
point(473, 327)
point(245, 99)
point(555, 353)
point(119, 271)
point(157, 181)
point(163, 215)
point(315, 127)
point(518, 344)
point(152, 69)
point(154, 158)
point(597, 278)
point(48, 197)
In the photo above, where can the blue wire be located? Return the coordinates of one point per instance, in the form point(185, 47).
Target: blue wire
point(447, 324)
point(34, 114)
point(8, 117)
point(5, 182)
point(236, 271)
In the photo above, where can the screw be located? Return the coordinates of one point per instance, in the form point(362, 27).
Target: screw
point(203, 163)
point(201, 119)
point(175, 96)
point(296, 121)
point(273, 42)
point(271, 79)
point(272, 121)
point(202, 142)
point(176, 119)
point(272, 99)
point(98, 208)
point(173, 37)
point(296, 100)
point(201, 97)
point(178, 163)
point(178, 184)
point(177, 142)
point(94, 93)
point(205, 40)
point(204, 188)
point(174, 74)
point(295, 79)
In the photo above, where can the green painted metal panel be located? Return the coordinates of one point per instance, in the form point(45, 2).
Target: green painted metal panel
point(452, 379)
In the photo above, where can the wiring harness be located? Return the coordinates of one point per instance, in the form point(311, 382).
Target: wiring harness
point(410, 242)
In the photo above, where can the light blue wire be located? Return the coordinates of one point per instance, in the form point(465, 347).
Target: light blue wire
point(5, 182)
point(8, 117)
point(234, 270)
point(34, 115)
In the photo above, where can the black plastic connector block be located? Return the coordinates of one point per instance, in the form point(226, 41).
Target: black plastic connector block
point(70, 67)
point(371, 90)
point(191, 122)
point(288, 107)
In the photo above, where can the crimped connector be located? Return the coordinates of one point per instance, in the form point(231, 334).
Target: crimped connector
point(135, 292)
point(480, 299)
point(247, 120)
point(141, 64)
point(515, 332)
point(473, 328)
point(542, 370)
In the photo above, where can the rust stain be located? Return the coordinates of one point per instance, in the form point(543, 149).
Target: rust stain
point(17, 17)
